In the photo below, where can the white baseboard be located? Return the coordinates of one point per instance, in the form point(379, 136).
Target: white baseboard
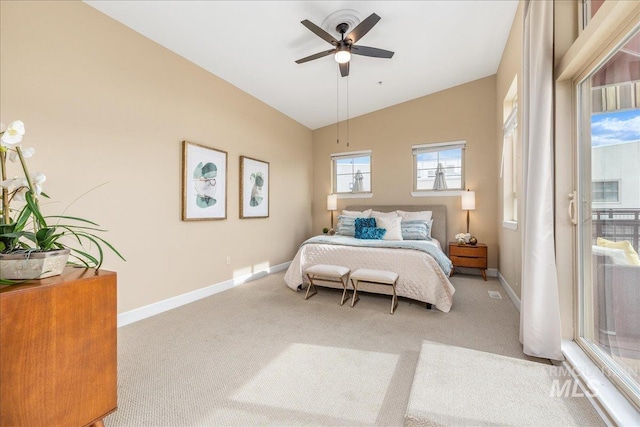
point(174, 302)
point(512, 295)
point(491, 272)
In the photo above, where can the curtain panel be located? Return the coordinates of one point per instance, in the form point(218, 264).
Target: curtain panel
point(540, 323)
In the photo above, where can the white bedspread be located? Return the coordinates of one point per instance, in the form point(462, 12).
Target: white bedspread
point(420, 277)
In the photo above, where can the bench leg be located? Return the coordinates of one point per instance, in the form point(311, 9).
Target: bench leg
point(345, 293)
point(355, 297)
point(311, 285)
point(394, 299)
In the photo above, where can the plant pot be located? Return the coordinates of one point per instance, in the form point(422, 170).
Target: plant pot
point(33, 265)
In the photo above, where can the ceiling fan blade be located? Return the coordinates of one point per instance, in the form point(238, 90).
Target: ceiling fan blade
point(316, 56)
point(363, 28)
point(319, 32)
point(371, 51)
point(344, 69)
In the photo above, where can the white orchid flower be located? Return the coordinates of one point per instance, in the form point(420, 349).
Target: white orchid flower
point(20, 195)
point(29, 152)
point(37, 181)
point(12, 183)
point(13, 134)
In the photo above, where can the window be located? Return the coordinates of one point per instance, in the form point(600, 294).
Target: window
point(608, 152)
point(589, 9)
point(605, 191)
point(438, 166)
point(509, 171)
point(351, 172)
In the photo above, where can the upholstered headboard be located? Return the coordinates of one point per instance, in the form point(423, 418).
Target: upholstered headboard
point(439, 215)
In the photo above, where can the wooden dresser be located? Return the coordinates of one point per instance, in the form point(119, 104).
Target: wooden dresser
point(58, 350)
point(472, 256)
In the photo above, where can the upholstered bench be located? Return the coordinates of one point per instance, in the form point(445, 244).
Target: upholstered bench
point(328, 273)
point(378, 277)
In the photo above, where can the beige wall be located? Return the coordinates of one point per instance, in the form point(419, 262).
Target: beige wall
point(465, 112)
point(102, 104)
point(510, 241)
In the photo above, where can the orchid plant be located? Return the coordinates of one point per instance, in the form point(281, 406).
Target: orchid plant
point(463, 238)
point(27, 229)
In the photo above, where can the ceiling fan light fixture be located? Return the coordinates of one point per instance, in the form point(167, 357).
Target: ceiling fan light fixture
point(343, 55)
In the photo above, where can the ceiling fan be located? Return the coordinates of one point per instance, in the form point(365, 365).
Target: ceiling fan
point(345, 47)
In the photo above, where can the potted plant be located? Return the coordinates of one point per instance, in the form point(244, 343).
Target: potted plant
point(34, 245)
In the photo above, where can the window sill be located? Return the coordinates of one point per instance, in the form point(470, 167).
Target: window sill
point(355, 195)
point(436, 193)
point(605, 394)
point(510, 225)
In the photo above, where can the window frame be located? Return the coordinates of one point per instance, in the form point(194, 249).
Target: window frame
point(431, 147)
point(510, 164)
point(334, 173)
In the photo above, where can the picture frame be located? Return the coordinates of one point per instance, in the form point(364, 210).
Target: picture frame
point(204, 182)
point(254, 188)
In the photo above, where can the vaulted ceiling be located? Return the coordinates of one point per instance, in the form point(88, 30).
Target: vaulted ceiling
point(253, 45)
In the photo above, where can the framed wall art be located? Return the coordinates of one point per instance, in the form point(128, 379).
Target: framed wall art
point(204, 182)
point(254, 188)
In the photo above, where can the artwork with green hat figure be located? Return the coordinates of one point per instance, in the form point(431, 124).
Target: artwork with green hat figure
point(204, 177)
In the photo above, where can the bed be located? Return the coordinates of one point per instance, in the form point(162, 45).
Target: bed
point(423, 273)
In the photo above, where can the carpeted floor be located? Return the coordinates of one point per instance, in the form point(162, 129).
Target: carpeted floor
point(259, 354)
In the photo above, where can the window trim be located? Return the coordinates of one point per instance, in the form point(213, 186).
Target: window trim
point(429, 148)
point(348, 155)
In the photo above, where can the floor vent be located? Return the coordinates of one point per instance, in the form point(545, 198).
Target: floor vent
point(495, 294)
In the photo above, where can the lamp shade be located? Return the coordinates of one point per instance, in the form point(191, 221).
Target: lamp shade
point(332, 202)
point(468, 200)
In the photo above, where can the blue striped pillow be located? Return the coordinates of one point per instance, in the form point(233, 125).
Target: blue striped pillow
point(415, 230)
point(346, 226)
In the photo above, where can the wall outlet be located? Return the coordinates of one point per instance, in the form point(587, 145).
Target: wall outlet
point(228, 260)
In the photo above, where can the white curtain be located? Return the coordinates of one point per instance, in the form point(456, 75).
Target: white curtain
point(540, 325)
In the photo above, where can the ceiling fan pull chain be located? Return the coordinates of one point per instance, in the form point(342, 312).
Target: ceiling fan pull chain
point(337, 109)
point(347, 111)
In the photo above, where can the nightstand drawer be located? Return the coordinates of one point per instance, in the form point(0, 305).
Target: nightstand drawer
point(459, 261)
point(468, 251)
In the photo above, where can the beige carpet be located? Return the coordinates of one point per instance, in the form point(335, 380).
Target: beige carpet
point(456, 386)
point(259, 354)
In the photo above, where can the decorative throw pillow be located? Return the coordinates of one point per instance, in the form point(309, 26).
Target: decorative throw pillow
point(346, 226)
point(372, 233)
point(357, 214)
point(631, 254)
point(392, 225)
point(414, 216)
point(361, 223)
point(415, 230)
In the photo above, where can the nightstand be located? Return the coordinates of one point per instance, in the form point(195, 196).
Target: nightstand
point(473, 256)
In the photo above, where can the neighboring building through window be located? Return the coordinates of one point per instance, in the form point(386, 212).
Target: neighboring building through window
point(438, 166)
point(351, 172)
point(605, 191)
point(509, 170)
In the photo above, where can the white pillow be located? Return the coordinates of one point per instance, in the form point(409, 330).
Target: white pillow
point(412, 216)
point(357, 214)
point(393, 227)
point(376, 214)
